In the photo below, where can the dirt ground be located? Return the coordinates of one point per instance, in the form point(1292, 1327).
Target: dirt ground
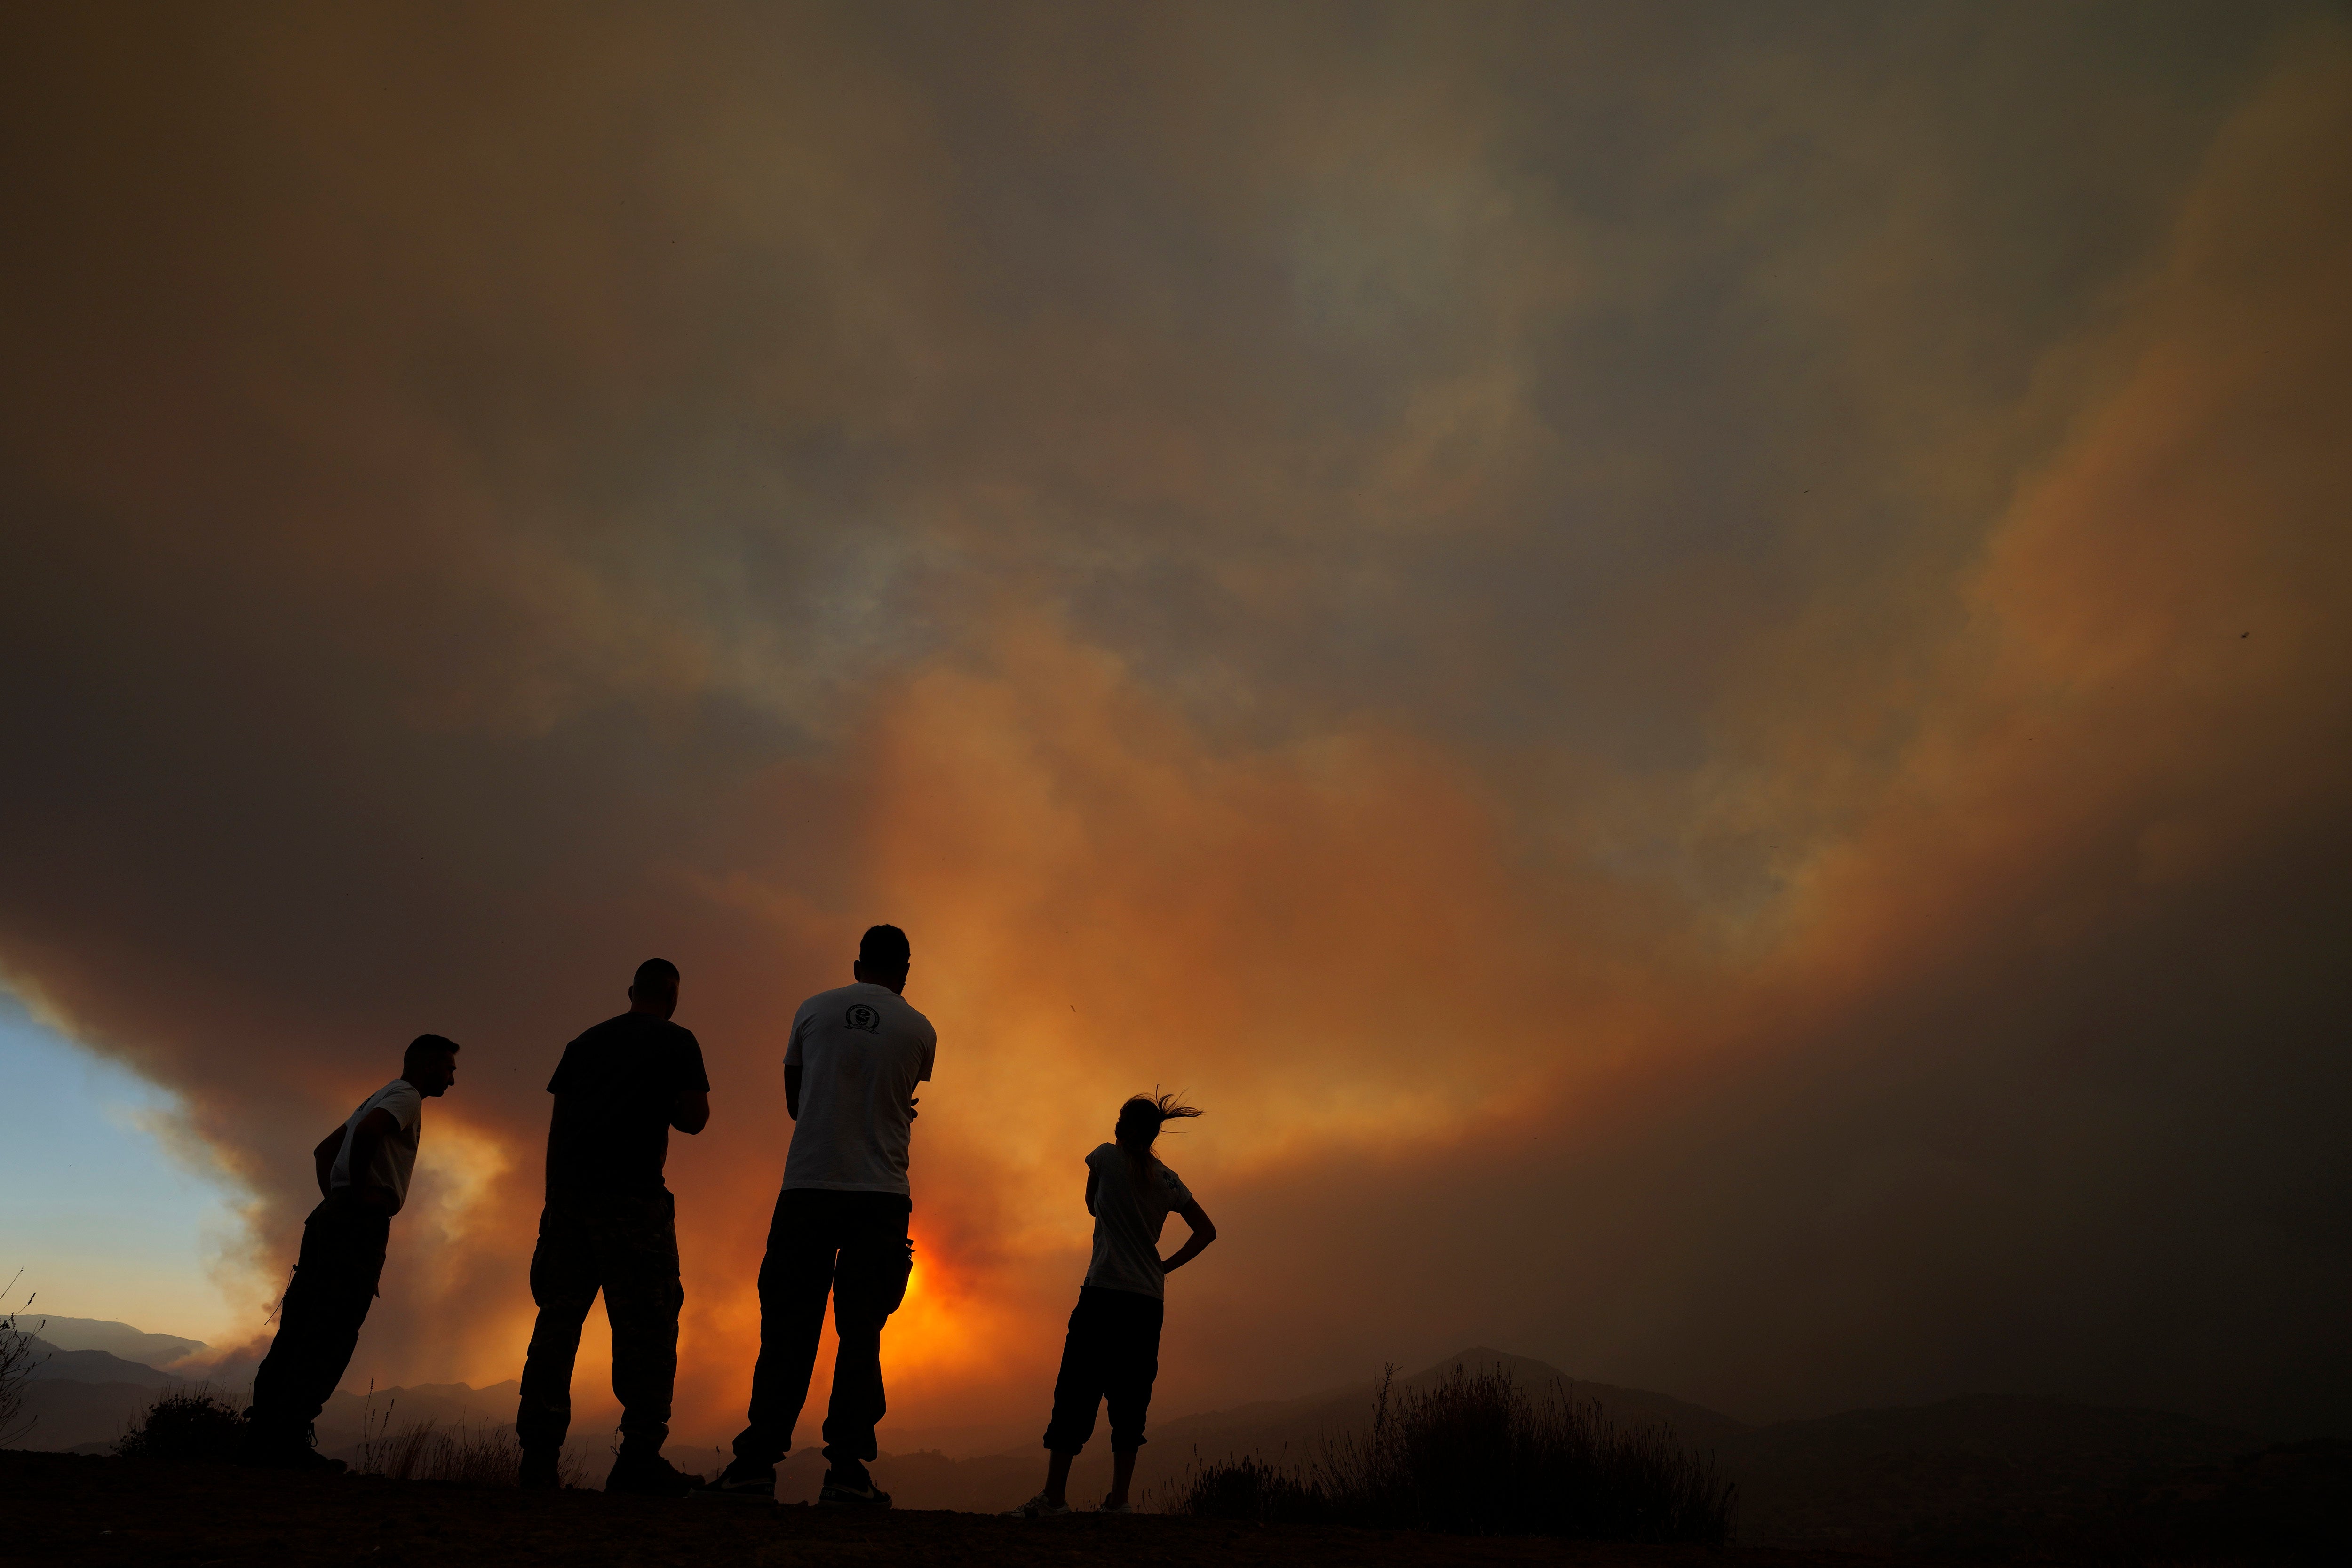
point(69, 1509)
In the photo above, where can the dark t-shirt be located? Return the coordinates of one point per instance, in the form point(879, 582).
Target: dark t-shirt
point(614, 1089)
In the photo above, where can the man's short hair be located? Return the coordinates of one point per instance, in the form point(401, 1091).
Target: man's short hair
point(655, 975)
point(428, 1046)
point(884, 948)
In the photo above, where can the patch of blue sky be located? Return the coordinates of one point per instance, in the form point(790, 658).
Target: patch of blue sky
point(101, 1218)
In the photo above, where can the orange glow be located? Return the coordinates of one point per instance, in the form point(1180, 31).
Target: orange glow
point(1694, 685)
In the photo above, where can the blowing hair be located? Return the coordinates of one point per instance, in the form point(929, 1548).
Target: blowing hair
point(1140, 1120)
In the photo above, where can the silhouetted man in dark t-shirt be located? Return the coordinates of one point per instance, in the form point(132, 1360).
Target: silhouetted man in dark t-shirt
point(610, 1225)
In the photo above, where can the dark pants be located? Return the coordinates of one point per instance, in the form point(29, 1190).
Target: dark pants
point(318, 1322)
point(850, 1244)
point(1112, 1351)
point(625, 1246)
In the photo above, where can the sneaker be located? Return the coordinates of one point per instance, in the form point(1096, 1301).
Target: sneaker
point(538, 1473)
point(748, 1483)
point(1116, 1507)
point(1038, 1507)
point(648, 1475)
point(851, 1491)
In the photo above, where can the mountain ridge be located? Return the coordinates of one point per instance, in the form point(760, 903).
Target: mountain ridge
point(117, 1338)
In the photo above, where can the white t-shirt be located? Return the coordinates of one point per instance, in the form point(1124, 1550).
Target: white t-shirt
point(1127, 1217)
point(395, 1155)
point(861, 1051)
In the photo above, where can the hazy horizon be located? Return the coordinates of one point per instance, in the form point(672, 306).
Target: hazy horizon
point(1689, 666)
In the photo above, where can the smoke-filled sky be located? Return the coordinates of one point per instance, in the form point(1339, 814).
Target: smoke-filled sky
point(1689, 664)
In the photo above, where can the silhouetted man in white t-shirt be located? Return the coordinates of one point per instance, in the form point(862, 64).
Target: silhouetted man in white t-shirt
point(840, 1227)
point(364, 1167)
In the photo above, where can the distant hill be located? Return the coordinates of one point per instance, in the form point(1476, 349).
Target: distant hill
point(159, 1350)
point(1962, 1477)
point(55, 1362)
point(1300, 1426)
point(85, 1399)
point(1290, 1431)
point(68, 1415)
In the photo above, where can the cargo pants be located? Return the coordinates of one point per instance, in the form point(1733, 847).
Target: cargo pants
point(626, 1247)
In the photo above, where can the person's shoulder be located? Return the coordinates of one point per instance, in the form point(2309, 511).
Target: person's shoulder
point(400, 1097)
point(1101, 1153)
point(911, 1014)
point(596, 1033)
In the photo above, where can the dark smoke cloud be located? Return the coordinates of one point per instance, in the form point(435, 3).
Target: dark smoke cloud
point(1686, 664)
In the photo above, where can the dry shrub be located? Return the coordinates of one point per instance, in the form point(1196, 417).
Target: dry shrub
point(18, 1356)
point(484, 1456)
point(1250, 1488)
point(1477, 1456)
point(186, 1424)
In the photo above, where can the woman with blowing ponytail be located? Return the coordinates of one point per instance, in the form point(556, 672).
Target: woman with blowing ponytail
point(1113, 1348)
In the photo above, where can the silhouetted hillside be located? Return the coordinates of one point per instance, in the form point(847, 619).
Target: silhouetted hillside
point(1980, 1476)
point(92, 1367)
point(65, 1416)
point(1284, 1432)
point(1962, 1475)
point(159, 1350)
point(1965, 1475)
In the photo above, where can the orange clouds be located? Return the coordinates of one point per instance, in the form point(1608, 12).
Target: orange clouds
point(1692, 682)
point(2150, 672)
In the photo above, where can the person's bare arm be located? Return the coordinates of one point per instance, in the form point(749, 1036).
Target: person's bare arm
point(1203, 1232)
point(323, 1157)
point(374, 1127)
point(690, 1112)
point(1094, 1183)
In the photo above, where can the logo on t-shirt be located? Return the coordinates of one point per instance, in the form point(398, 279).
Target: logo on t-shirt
point(862, 1016)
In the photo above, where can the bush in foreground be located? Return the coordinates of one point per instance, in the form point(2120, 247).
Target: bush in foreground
point(1248, 1487)
point(1477, 1456)
point(188, 1423)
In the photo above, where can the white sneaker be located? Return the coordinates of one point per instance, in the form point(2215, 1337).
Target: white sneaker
point(1038, 1507)
point(1116, 1507)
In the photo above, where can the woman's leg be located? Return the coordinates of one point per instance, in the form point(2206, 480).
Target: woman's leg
point(1057, 1478)
point(1077, 1394)
point(1132, 1365)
